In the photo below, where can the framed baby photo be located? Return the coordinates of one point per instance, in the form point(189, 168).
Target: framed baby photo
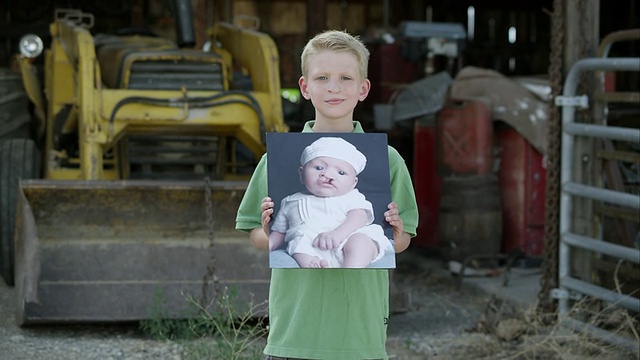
point(330, 192)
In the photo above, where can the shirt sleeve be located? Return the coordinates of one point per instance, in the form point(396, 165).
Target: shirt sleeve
point(402, 192)
point(249, 215)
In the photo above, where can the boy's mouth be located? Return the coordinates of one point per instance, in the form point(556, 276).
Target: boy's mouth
point(334, 101)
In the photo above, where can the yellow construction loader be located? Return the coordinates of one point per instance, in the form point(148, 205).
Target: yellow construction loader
point(123, 199)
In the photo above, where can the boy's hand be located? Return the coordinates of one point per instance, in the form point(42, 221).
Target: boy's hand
point(392, 216)
point(260, 235)
point(267, 210)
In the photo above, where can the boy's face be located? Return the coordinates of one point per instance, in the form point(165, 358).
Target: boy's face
point(327, 176)
point(333, 85)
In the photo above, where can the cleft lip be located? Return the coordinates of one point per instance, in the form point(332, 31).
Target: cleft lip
point(327, 183)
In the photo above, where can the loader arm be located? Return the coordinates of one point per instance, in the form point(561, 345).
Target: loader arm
point(141, 138)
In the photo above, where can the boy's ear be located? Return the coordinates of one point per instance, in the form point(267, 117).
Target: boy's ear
point(364, 89)
point(300, 174)
point(302, 83)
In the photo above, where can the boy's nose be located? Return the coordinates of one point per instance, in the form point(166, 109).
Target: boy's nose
point(333, 87)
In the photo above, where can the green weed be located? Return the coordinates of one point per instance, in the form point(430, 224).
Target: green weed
point(224, 329)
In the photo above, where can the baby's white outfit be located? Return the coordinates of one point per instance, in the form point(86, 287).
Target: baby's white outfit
point(303, 216)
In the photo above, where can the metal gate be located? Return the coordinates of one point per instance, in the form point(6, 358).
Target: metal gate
point(571, 288)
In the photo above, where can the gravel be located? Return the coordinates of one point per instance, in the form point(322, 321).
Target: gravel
point(441, 322)
point(437, 314)
point(65, 342)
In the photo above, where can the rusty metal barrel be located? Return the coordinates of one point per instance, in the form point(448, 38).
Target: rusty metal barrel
point(470, 220)
point(464, 139)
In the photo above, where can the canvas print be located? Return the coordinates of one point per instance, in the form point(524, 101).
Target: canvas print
point(330, 192)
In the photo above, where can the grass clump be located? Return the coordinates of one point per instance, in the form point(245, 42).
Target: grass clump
point(226, 328)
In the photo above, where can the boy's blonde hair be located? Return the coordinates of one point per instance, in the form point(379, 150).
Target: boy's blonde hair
point(338, 41)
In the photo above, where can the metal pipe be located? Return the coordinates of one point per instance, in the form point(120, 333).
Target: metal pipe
point(626, 301)
point(605, 195)
point(564, 255)
point(602, 247)
point(606, 132)
point(185, 32)
point(591, 64)
point(610, 338)
point(617, 36)
point(568, 117)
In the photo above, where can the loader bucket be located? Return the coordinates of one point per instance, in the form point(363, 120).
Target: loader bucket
point(101, 251)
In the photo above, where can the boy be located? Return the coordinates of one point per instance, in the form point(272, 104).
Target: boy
point(330, 313)
point(331, 223)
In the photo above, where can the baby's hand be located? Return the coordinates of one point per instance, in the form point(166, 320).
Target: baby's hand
point(267, 210)
point(392, 216)
point(328, 240)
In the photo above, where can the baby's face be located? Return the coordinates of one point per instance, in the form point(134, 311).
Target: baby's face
point(327, 176)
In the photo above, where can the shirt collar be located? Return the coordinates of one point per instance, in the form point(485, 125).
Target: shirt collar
point(308, 127)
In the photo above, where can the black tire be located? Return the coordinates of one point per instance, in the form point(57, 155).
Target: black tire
point(19, 159)
point(15, 120)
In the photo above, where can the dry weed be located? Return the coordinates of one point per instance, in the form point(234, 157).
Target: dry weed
point(526, 334)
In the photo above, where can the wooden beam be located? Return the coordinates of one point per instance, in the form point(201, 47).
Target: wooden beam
point(316, 17)
point(581, 27)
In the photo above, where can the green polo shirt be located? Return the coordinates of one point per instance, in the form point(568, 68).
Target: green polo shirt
point(329, 313)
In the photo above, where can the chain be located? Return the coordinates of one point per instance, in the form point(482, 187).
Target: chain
point(548, 280)
point(210, 275)
point(584, 85)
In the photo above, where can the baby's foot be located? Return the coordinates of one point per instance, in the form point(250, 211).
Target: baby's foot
point(315, 263)
point(312, 262)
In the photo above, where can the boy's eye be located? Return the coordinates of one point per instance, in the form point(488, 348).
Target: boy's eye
point(346, 78)
point(322, 78)
point(342, 172)
point(318, 167)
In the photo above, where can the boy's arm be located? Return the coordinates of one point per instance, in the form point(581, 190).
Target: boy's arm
point(402, 242)
point(403, 211)
point(259, 238)
point(254, 213)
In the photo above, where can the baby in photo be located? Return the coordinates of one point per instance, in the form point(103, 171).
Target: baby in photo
point(331, 223)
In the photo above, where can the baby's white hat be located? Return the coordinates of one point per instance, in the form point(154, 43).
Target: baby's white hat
point(337, 148)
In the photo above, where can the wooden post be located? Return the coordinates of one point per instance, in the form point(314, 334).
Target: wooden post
point(316, 17)
point(200, 17)
point(582, 24)
point(138, 12)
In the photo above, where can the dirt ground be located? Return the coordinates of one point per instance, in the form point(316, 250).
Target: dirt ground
point(451, 320)
point(441, 321)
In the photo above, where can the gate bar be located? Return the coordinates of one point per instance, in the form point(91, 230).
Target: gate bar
point(570, 129)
